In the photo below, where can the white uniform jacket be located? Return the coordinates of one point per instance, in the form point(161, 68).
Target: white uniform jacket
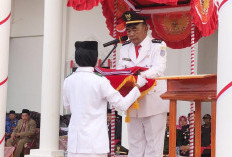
point(86, 94)
point(152, 55)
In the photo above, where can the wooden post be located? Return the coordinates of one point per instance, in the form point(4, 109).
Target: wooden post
point(172, 129)
point(213, 127)
point(197, 129)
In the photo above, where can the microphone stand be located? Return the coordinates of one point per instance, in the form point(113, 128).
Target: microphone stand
point(109, 54)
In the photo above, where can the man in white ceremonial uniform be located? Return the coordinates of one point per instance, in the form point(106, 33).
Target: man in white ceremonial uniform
point(86, 94)
point(146, 130)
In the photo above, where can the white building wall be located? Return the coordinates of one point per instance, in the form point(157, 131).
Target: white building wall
point(27, 18)
point(25, 74)
point(207, 61)
point(178, 63)
point(25, 60)
point(86, 25)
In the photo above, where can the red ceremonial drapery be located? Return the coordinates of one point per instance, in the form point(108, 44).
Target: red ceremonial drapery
point(83, 4)
point(151, 2)
point(205, 16)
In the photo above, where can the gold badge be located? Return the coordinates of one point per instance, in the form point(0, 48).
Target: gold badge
point(128, 17)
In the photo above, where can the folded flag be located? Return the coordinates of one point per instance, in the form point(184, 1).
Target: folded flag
point(123, 80)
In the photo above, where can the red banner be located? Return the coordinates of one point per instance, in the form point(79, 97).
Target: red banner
point(174, 29)
point(205, 16)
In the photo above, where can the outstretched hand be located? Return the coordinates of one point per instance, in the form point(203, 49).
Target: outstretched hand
point(141, 81)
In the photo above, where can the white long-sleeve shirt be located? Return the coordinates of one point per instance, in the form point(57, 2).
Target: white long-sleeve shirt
point(86, 94)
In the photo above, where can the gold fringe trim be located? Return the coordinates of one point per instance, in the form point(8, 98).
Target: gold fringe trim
point(127, 119)
point(135, 105)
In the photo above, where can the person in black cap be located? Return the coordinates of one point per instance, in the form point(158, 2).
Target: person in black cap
point(86, 94)
point(206, 135)
point(11, 123)
point(146, 131)
point(23, 133)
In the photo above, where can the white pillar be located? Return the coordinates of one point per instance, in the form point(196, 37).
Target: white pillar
point(5, 10)
point(224, 103)
point(51, 81)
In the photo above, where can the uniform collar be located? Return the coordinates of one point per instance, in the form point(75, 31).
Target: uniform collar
point(145, 41)
point(145, 47)
point(85, 69)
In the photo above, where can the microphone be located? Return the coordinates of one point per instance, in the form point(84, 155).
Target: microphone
point(115, 41)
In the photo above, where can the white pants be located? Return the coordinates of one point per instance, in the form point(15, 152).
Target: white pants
point(85, 155)
point(146, 136)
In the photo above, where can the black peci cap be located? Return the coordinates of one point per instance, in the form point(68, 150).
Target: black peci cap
point(86, 53)
point(12, 112)
point(206, 116)
point(26, 111)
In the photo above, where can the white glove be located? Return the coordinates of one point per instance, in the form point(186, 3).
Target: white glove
point(143, 74)
point(141, 81)
point(149, 75)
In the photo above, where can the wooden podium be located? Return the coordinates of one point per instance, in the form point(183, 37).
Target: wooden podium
point(196, 88)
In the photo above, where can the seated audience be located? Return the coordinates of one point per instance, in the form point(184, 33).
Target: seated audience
point(23, 133)
point(181, 122)
point(183, 134)
point(11, 123)
point(206, 136)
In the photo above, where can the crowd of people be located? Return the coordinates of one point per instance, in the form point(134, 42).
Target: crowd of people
point(183, 136)
point(19, 132)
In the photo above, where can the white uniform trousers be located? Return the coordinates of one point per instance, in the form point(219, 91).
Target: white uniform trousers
point(146, 136)
point(85, 155)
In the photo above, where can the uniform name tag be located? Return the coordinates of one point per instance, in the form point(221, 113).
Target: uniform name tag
point(126, 59)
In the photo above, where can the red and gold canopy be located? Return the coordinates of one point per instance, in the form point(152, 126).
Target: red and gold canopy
point(170, 20)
